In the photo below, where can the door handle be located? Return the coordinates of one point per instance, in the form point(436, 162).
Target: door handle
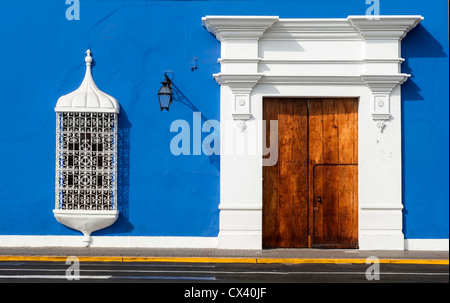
point(319, 199)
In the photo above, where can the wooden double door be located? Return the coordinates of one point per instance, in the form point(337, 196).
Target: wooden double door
point(310, 197)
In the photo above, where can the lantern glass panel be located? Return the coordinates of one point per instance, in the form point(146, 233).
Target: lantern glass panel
point(164, 101)
point(165, 96)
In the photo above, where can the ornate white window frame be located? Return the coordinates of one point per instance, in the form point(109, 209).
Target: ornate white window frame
point(357, 56)
point(86, 158)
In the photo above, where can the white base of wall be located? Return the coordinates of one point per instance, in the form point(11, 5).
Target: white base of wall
point(381, 240)
point(240, 240)
point(222, 242)
point(427, 244)
point(109, 242)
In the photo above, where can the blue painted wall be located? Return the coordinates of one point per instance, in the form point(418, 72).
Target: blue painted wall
point(133, 44)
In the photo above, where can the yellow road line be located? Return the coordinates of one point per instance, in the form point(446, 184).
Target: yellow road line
point(190, 259)
point(432, 262)
point(353, 261)
point(221, 260)
point(60, 258)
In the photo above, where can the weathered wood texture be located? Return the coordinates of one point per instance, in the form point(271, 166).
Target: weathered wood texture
point(318, 156)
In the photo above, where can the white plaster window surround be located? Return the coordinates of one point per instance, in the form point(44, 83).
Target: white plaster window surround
point(86, 158)
point(357, 56)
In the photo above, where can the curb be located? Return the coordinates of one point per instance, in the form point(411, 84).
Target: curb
point(223, 260)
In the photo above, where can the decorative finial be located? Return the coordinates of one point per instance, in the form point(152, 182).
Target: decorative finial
point(88, 58)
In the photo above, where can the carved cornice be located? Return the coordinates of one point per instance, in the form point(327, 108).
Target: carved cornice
point(350, 28)
point(384, 27)
point(384, 83)
point(238, 27)
point(239, 83)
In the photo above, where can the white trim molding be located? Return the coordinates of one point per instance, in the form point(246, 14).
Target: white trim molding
point(357, 56)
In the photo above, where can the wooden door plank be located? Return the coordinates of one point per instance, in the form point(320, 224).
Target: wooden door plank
point(355, 173)
point(315, 147)
point(270, 232)
point(355, 205)
point(348, 196)
point(345, 131)
point(345, 216)
point(346, 156)
point(330, 131)
point(315, 132)
point(299, 172)
point(285, 176)
point(355, 131)
point(331, 175)
point(330, 204)
point(317, 185)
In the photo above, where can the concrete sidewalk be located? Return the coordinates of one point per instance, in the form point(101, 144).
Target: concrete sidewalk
point(291, 256)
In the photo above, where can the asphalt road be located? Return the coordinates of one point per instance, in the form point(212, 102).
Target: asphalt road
point(107, 272)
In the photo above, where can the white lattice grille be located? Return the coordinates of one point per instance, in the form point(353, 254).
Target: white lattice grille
point(86, 161)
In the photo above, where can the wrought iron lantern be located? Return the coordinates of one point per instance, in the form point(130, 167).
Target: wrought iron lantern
point(165, 94)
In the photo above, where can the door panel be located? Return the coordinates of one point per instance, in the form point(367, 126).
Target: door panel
point(285, 210)
point(335, 206)
point(333, 172)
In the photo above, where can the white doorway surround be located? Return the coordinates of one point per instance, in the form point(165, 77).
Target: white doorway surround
point(357, 56)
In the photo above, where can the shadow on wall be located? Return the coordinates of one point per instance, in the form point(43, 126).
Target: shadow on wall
point(419, 43)
point(122, 225)
point(179, 96)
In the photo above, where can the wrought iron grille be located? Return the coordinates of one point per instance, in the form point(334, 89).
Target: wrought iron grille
point(86, 161)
